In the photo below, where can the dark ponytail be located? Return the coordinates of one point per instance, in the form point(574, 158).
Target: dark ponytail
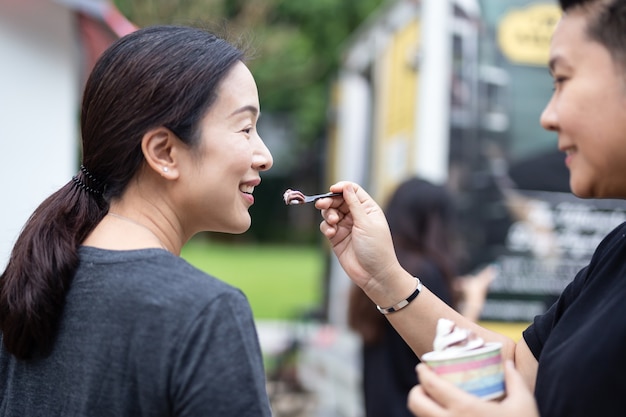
point(157, 76)
point(42, 263)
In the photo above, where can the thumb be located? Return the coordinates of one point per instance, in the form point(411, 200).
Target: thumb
point(352, 200)
point(518, 395)
point(515, 384)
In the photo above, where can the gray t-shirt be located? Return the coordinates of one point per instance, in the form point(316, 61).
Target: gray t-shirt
point(143, 333)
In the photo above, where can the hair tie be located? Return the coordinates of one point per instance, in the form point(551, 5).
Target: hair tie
point(92, 186)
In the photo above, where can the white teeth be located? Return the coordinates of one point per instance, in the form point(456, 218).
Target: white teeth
point(247, 190)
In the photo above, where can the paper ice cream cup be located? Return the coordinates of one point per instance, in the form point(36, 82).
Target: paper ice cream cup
point(477, 371)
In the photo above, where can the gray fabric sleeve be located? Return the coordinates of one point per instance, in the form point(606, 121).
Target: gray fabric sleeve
point(218, 368)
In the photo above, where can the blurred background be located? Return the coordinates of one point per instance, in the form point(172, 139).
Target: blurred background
point(373, 91)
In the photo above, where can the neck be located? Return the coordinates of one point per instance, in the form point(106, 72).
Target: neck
point(136, 223)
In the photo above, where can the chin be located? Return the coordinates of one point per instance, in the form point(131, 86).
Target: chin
point(242, 231)
point(590, 192)
point(581, 194)
point(581, 190)
point(238, 229)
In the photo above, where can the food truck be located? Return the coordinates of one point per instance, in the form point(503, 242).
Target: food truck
point(452, 91)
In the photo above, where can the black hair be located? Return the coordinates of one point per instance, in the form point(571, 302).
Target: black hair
point(156, 76)
point(606, 24)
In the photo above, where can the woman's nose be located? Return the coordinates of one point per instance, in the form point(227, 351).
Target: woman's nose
point(263, 157)
point(548, 117)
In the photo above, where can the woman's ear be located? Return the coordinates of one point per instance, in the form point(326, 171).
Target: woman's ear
point(159, 148)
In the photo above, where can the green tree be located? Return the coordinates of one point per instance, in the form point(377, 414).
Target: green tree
point(296, 50)
point(297, 46)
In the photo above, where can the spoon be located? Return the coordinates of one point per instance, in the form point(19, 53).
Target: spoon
point(294, 197)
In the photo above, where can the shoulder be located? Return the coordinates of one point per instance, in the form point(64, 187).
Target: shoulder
point(151, 277)
point(610, 253)
point(597, 285)
point(615, 237)
point(606, 267)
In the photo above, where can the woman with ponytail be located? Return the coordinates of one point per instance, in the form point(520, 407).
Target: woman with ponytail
point(98, 313)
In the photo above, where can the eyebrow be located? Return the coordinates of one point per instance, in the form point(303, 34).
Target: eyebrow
point(249, 108)
point(554, 61)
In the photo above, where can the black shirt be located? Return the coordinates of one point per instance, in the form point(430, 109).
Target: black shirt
point(580, 342)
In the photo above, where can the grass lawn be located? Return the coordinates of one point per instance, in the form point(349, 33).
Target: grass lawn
point(280, 282)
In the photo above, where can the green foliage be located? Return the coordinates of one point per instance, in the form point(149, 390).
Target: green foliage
point(295, 50)
point(298, 45)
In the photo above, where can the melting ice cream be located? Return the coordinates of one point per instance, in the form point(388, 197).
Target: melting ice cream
point(451, 338)
point(293, 197)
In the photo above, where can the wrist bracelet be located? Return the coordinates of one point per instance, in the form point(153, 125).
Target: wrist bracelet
point(404, 302)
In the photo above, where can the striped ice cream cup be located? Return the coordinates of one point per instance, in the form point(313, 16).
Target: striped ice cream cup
point(477, 371)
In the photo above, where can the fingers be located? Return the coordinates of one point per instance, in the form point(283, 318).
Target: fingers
point(329, 207)
point(420, 404)
point(440, 390)
point(334, 202)
point(436, 396)
point(353, 202)
point(518, 395)
point(342, 187)
point(512, 378)
point(327, 230)
point(515, 384)
point(334, 209)
point(339, 186)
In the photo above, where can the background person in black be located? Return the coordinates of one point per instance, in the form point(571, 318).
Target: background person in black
point(571, 357)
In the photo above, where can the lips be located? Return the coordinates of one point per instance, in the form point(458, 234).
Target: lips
point(247, 187)
point(568, 149)
point(569, 155)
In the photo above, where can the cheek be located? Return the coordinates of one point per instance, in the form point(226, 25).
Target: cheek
point(239, 157)
point(228, 157)
point(575, 113)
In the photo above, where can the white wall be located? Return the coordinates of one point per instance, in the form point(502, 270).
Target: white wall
point(39, 98)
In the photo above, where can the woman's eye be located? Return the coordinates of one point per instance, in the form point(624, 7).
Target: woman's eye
point(557, 82)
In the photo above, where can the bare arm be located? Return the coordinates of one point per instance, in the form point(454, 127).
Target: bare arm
point(526, 364)
point(417, 322)
point(359, 236)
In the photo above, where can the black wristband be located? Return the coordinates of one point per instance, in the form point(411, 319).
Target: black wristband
point(404, 302)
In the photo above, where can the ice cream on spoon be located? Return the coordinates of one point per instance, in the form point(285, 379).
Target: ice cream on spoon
point(292, 197)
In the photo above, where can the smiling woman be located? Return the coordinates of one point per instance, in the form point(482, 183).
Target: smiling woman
point(587, 110)
point(565, 363)
point(228, 161)
point(96, 306)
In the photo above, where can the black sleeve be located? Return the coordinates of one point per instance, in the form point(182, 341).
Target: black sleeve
point(539, 331)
